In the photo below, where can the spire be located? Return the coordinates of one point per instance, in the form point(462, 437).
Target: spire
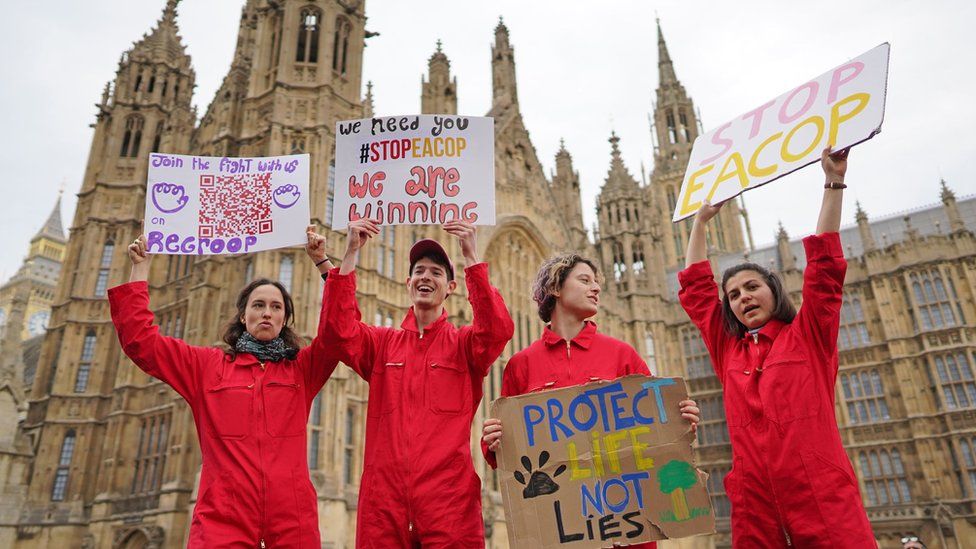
point(368, 108)
point(617, 176)
point(787, 261)
point(438, 94)
point(504, 89)
point(665, 68)
point(946, 195)
point(859, 213)
point(163, 42)
point(53, 229)
point(564, 160)
point(864, 229)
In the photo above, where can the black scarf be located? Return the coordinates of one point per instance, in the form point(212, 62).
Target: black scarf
point(270, 351)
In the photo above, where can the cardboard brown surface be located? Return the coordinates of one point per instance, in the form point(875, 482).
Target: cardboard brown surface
point(607, 462)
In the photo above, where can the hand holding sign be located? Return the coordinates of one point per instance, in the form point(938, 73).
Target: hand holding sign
point(169, 197)
point(834, 164)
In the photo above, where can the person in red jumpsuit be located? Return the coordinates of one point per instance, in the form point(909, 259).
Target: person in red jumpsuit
point(419, 487)
point(791, 481)
point(570, 351)
point(250, 404)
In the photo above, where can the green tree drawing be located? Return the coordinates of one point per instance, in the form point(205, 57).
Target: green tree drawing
point(674, 478)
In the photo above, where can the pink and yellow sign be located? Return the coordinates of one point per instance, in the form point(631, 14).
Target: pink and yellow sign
point(842, 107)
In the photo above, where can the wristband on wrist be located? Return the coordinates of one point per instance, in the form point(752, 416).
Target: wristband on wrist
point(321, 262)
point(835, 185)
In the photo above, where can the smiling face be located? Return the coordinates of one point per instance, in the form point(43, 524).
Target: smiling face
point(264, 314)
point(750, 298)
point(579, 296)
point(428, 285)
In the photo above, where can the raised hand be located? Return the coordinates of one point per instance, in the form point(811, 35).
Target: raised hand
point(707, 211)
point(834, 164)
point(466, 234)
point(140, 259)
point(315, 247)
point(358, 233)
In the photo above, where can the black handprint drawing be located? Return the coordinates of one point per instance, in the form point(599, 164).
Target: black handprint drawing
point(540, 483)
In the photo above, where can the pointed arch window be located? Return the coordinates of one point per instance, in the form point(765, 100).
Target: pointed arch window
point(158, 138)
point(619, 260)
point(60, 486)
point(349, 447)
point(683, 120)
point(638, 257)
point(932, 300)
point(150, 459)
point(672, 129)
point(101, 283)
point(285, 271)
point(865, 397)
point(132, 136)
point(308, 36)
point(85, 362)
point(340, 45)
point(956, 380)
point(697, 362)
point(152, 84)
point(968, 447)
point(330, 194)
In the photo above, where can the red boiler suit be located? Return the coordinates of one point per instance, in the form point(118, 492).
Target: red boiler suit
point(552, 362)
point(419, 484)
point(250, 419)
point(790, 474)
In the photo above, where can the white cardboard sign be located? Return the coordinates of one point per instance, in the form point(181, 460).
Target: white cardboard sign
point(207, 205)
point(415, 170)
point(842, 107)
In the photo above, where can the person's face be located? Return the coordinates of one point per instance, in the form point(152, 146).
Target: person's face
point(265, 312)
point(428, 285)
point(580, 293)
point(750, 298)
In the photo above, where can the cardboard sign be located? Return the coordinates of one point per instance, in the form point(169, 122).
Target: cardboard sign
point(602, 463)
point(205, 205)
point(415, 170)
point(843, 107)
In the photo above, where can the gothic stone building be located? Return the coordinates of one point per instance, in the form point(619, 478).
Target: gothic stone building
point(106, 456)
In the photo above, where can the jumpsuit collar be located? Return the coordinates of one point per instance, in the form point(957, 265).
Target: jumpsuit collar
point(410, 322)
point(582, 339)
point(769, 330)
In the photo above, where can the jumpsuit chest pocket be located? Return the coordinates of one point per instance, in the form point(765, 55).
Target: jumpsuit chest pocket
point(448, 386)
point(385, 388)
point(788, 390)
point(229, 407)
point(284, 410)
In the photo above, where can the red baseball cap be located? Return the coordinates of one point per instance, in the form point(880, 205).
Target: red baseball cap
point(429, 247)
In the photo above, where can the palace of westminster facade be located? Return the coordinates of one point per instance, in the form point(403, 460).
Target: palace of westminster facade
point(95, 453)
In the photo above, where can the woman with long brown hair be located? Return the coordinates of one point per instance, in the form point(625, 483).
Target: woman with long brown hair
point(250, 404)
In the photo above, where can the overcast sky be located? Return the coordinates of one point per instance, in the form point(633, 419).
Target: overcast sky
point(583, 69)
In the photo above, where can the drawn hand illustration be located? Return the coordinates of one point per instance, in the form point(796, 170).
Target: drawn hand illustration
point(286, 195)
point(169, 197)
point(540, 483)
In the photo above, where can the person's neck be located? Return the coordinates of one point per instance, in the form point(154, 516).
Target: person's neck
point(566, 325)
point(425, 317)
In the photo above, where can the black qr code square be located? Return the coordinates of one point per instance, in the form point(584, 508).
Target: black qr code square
point(234, 205)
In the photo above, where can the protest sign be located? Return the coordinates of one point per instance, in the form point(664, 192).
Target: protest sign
point(204, 205)
point(842, 107)
point(597, 464)
point(415, 170)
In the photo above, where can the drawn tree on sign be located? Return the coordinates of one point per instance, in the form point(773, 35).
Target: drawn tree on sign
point(674, 478)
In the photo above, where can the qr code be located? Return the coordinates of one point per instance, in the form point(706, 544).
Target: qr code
point(234, 205)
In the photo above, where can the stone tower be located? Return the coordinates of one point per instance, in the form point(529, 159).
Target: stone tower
point(146, 108)
point(675, 128)
point(439, 90)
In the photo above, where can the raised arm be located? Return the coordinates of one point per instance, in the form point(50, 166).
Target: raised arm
point(492, 326)
point(165, 358)
point(354, 342)
point(697, 247)
point(834, 165)
point(319, 359)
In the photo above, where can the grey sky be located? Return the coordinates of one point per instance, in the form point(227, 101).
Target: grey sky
point(583, 68)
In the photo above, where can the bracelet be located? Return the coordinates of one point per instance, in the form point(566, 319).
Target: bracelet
point(835, 185)
point(321, 262)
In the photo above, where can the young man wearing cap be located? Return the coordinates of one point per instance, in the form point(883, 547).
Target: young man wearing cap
point(425, 379)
